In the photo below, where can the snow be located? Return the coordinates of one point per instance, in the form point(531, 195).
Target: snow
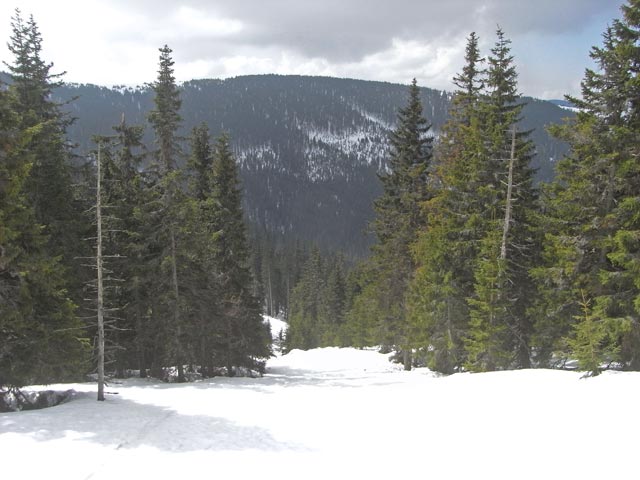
point(366, 144)
point(259, 157)
point(570, 108)
point(277, 326)
point(335, 413)
point(374, 118)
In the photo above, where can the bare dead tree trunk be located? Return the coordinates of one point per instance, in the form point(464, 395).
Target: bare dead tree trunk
point(270, 293)
point(99, 262)
point(507, 212)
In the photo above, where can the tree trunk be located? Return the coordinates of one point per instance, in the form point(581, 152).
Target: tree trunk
point(100, 287)
point(406, 359)
point(525, 358)
point(508, 206)
point(176, 307)
point(229, 347)
point(142, 365)
point(269, 294)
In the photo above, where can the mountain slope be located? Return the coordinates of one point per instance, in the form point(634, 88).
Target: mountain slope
point(310, 148)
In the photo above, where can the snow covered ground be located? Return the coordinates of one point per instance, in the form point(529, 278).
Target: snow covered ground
point(331, 414)
point(277, 326)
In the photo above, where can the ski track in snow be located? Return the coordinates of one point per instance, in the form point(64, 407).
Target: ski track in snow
point(335, 413)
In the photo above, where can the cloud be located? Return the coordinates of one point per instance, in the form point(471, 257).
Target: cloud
point(342, 31)
point(116, 41)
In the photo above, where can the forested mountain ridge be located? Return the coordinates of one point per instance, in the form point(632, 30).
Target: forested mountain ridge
point(475, 267)
point(310, 148)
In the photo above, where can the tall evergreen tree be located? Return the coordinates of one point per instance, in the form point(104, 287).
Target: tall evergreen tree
point(41, 339)
point(591, 243)
point(361, 312)
point(318, 304)
point(243, 339)
point(444, 251)
point(398, 219)
point(305, 329)
point(202, 278)
point(500, 305)
point(49, 184)
point(469, 301)
point(165, 120)
point(333, 302)
point(31, 77)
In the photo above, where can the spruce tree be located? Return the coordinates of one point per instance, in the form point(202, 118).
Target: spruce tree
point(305, 329)
point(318, 304)
point(590, 344)
point(470, 295)
point(41, 339)
point(500, 305)
point(200, 162)
point(202, 278)
point(398, 219)
point(165, 120)
point(445, 250)
point(486, 343)
point(362, 316)
point(243, 339)
point(49, 185)
point(333, 302)
point(591, 242)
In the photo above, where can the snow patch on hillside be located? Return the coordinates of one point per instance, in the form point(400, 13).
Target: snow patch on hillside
point(374, 118)
point(344, 139)
point(569, 108)
point(276, 325)
point(334, 153)
point(258, 157)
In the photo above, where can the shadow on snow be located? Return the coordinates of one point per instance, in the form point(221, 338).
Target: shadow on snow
point(126, 424)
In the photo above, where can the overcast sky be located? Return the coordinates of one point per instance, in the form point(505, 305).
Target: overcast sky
point(110, 42)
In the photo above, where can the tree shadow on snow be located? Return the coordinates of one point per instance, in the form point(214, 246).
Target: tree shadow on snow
point(125, 424)
point(282, 376)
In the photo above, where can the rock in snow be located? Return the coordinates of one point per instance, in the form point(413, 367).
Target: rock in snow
point(13, 401)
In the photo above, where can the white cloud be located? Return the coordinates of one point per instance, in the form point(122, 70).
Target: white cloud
point(430, 64)
point(199, 22)
point(116, 41)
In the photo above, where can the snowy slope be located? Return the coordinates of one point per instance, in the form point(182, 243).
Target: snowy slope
point(335, 413)
point(276, 325)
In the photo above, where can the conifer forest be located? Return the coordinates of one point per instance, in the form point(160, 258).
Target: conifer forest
point(131, 250)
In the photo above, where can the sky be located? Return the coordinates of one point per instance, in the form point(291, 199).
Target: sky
point(115, 42)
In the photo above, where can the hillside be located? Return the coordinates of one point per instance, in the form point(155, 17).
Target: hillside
point(309, 147)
